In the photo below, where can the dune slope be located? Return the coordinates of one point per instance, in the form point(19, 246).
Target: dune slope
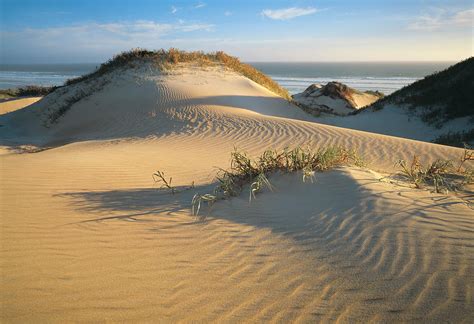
point(438, 108)
point(9, 105)
point(87, 235)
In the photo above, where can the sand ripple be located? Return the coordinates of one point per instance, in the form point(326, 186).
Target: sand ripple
point(86, 235)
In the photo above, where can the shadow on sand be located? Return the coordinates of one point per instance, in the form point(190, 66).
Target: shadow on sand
point(293, 209)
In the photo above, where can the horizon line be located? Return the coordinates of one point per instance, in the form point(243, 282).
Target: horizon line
point(250, 61)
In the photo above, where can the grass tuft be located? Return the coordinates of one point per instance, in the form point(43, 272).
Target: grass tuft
point(159, 177)
point(245, 170)
point(441, 174)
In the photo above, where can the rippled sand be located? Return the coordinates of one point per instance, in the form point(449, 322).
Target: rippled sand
point(87, 235)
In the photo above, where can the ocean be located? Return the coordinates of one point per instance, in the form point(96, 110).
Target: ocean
point(296, 77)
point(384, 77)
point(16, 75)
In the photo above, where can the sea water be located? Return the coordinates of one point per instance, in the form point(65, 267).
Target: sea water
point(296, 77)
point(386, 77)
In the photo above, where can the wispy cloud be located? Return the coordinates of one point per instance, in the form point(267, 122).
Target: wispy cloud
point(442, 19)
point(288, 13)
point(228, 13)
point(174, 9)
point(93, 38)
point(200, 5)
point(195, 27)
point(133, 29)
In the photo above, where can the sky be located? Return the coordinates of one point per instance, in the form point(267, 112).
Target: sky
point(85, 31)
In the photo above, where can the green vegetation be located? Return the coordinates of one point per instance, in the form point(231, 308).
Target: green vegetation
point(459, 139)
point(442, 174)
point(167, 59)
point(244, 170)
point(439, 97)
point(28, 91)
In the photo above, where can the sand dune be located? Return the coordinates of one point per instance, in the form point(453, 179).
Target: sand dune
point(87, 235)
point(9, 105)
point(334, 97)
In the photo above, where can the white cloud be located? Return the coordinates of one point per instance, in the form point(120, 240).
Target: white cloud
point(227, 13)
point(442, 19)
point(288, 13)
point(464, 18)
point(173, 9)
point(196, 27)
point(122, 30)
point(200, 5)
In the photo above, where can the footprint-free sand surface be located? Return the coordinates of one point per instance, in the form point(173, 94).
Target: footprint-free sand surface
point(9, 105)
point(86, 235)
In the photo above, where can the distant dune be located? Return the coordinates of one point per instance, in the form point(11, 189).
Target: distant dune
point(335, 98)
point(438, 108)
point(87, 235)
point(9, 105)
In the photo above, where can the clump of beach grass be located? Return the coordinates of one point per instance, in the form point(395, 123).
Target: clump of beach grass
point(245, 171)
point(441, 174)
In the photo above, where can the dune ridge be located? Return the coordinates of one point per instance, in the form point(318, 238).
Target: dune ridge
point(86, 234)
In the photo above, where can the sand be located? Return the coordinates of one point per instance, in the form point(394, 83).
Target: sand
point(9, 105)
point(87, 235)
point(402, 123)
point(334, 97)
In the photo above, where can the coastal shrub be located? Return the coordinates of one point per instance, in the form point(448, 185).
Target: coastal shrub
point(255, 172)
point(459, 139)
point(439, 97)
point(28, 91)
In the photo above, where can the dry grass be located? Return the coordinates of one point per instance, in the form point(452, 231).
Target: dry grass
point(441, 174)
point(167, 59)
point(244, 170)
point(159, 177)
point(468, 155)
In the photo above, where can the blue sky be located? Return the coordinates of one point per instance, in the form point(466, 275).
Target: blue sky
point(66, 31)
